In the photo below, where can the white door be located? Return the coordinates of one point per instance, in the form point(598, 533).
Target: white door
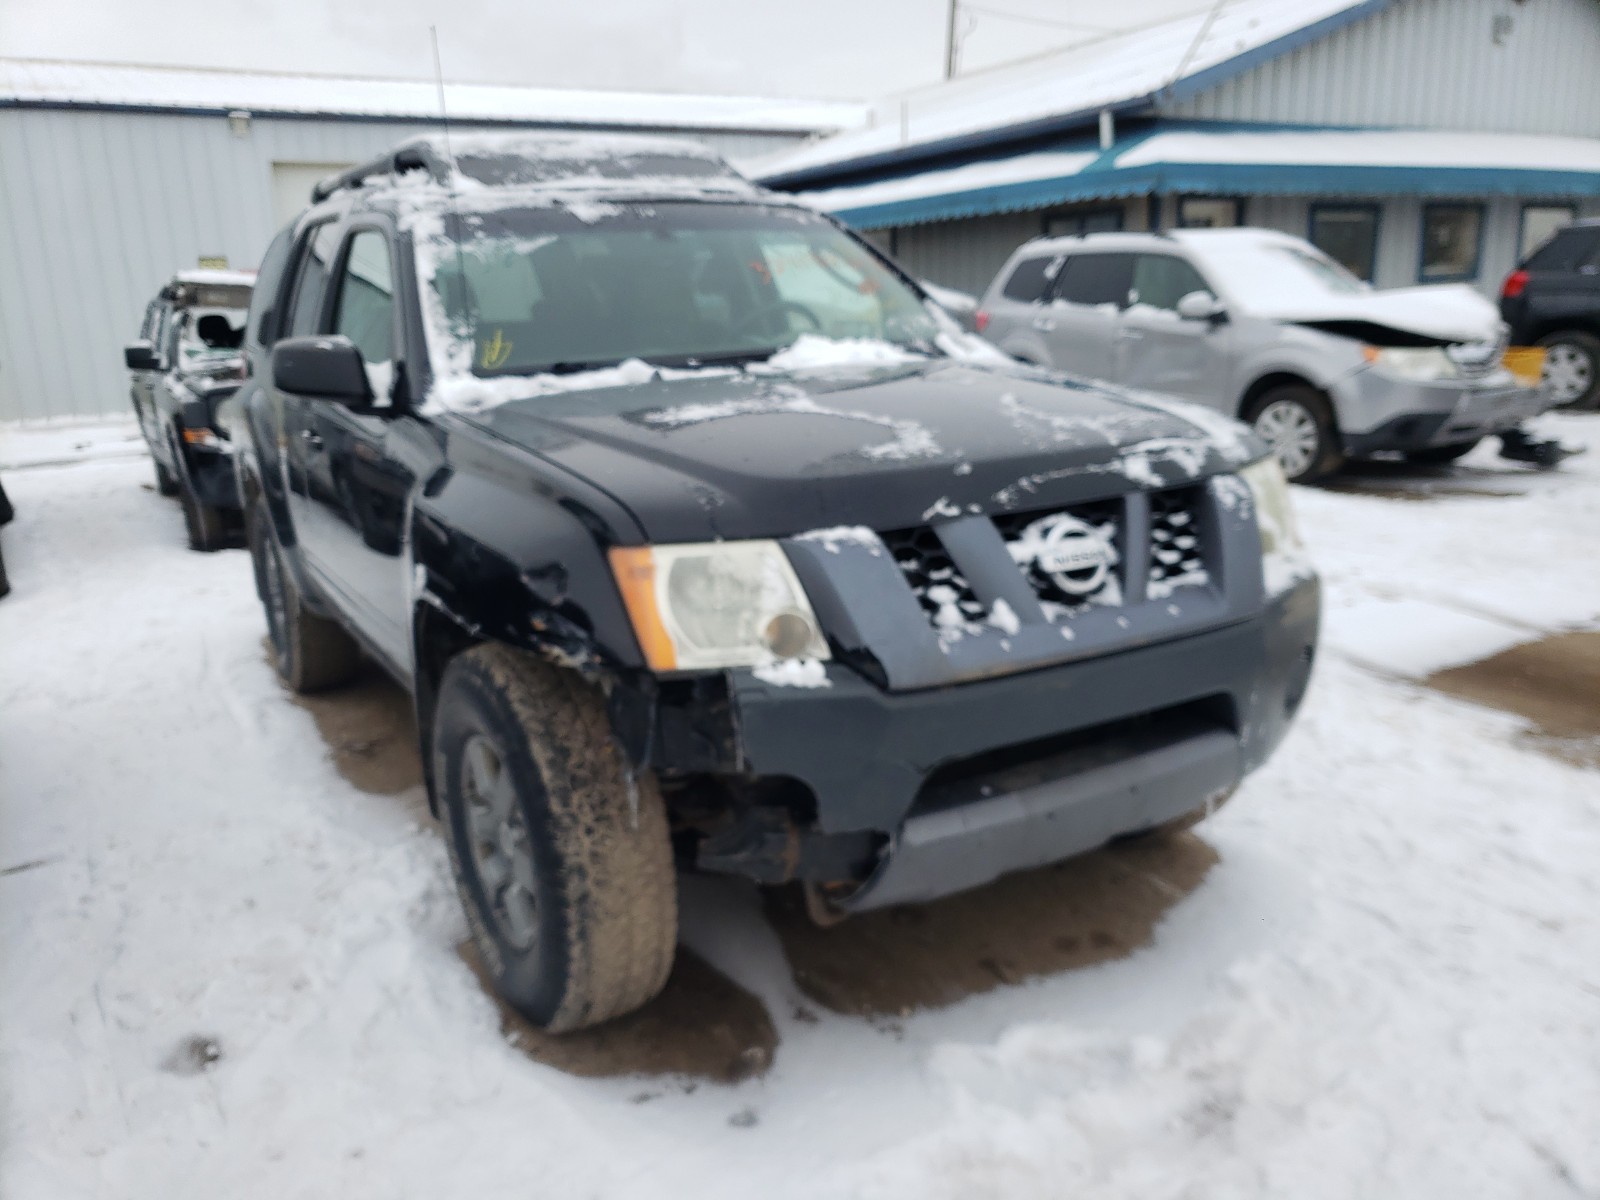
point(291, 187)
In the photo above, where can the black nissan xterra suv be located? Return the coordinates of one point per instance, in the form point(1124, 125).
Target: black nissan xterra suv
point(702, 539)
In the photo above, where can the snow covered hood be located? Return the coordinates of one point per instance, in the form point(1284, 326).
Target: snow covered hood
point(1275, 276)
point(889, 445)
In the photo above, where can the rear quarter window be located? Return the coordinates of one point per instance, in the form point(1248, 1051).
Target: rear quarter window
point(1566, 251)
point(1030, 279)
point(1097, 279)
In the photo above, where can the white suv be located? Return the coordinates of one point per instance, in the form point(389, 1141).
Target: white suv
point(1265, 327)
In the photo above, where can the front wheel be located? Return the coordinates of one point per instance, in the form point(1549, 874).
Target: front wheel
point(309, 652)
point(1572, 368)
point(206, 524)
point(166, 481)
point(560, 850)
point(1296, 421)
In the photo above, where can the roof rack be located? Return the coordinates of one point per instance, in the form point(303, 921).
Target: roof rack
point(418, 155)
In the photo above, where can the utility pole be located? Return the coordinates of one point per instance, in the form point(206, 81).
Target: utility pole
point(950, 43)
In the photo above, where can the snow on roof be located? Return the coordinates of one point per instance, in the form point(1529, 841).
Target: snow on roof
point(1120, 70)
point(1368, 148)
point(41, 81)
point(999, 172)
point(1267, 161)
point(210, 277)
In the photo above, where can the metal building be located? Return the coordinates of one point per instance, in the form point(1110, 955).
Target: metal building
point(112, 178)
point(1416, 141)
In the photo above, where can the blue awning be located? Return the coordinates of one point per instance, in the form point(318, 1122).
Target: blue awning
point(1258, 161)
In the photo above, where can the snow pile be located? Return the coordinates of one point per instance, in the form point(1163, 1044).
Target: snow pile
point(812, 352)
point(844, 535)
point(793, 672)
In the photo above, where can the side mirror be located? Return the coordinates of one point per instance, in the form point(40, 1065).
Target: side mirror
point(141, 356)
point(1202, 306)
point(326, 367)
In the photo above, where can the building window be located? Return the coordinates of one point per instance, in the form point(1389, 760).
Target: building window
point(1210, 212)
point(1348, 234)
point(1076, 224)
point(1539, 221)
point(1452, 242)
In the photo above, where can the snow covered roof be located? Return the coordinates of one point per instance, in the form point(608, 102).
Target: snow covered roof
point(210, 277)
point(1258, 161)
point(964, 180)
point(1055, 91)
point(40, 82)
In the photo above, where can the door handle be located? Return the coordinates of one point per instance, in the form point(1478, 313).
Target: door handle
point(1130, 335)
point(312, 440)
point(1044, 324)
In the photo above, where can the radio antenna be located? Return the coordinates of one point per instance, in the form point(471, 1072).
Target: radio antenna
point(450, 155)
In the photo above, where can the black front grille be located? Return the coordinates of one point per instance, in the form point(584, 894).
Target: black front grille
point(1074, 558)
point(1177, 556)
point(940, 589)
point(1027, 535)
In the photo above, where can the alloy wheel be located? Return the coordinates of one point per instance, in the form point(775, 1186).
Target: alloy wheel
point(1568, 370)
point(498, 841)
point(1292, 433)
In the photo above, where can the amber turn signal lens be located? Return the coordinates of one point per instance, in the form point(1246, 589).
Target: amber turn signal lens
point(635, 569)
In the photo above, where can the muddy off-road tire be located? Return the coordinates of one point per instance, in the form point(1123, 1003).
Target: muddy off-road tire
point(310, 653)
point(1297, 421)
point(564, 866)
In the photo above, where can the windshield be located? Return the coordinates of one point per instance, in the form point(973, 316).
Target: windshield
point(675, 284)
point(1267, 275)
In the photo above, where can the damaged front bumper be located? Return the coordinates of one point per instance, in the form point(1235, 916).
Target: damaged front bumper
point(959, 785)
point(1378, 411)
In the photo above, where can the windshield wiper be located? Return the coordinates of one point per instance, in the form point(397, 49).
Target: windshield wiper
point(572, 366)
point(731, 359)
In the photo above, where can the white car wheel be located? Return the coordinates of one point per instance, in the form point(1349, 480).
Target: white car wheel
point(1293, 433)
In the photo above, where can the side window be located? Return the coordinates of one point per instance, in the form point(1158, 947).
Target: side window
point(365, 307)
point(1096, 279)
point(161, 331)
point(1568, 251)
point(265, 295)
point(152, 315)
point(1031, 279)
point(1161, 280)
point(306, 308)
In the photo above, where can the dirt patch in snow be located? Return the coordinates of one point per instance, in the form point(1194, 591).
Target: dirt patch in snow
point(371, 734)
point(701, 1026)
point(1553, 683)
point(1074, 914)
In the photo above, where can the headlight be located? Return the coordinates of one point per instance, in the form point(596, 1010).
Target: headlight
point(1425, 364)
point(716, 604)
point(1283, 554)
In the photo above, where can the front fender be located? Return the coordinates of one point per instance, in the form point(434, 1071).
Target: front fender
point(508, 560)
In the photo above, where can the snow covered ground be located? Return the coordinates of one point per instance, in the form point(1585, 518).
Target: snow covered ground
point(1388, 986)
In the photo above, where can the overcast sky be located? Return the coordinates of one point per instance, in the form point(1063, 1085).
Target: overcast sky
point(848, 49)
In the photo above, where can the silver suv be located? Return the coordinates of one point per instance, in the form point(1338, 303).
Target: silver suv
point(1266, 327)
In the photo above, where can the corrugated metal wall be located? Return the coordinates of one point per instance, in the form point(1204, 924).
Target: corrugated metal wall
point(97, 210)
point(1521, 66)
